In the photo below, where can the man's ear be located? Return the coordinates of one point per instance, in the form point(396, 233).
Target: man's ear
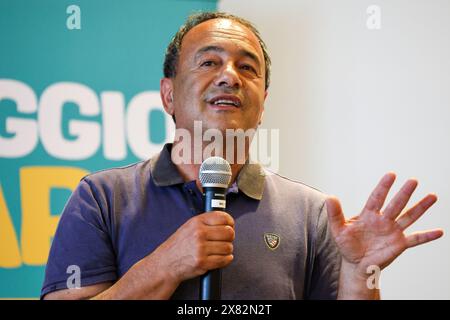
point(166, 92)
point(262, 112)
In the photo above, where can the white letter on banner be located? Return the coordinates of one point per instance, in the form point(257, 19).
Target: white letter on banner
point(113, 114)
point(25, 130)
point(50, 124)
point(138, 132)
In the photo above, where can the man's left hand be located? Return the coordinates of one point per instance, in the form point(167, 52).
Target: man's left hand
point(376, 237)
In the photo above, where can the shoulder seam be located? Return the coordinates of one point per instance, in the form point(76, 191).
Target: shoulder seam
point(114, 168)
point(292, 180)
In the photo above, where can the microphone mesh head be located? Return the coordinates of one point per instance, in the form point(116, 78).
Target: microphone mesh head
point(215, 172)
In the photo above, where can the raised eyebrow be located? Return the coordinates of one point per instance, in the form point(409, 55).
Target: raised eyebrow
point(213, 48)
point(250, 55)
point(208, 49)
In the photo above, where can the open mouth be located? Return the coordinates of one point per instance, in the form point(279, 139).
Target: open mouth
point(225, 102)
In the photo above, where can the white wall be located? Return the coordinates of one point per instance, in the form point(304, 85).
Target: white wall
point(352, 103)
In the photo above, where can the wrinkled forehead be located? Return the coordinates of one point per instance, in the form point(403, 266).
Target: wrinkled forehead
point(220, 31)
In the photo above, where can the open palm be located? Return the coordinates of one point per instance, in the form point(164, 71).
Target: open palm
point(376, 237)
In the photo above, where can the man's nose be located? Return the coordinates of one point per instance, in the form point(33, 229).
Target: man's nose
point(228, 77)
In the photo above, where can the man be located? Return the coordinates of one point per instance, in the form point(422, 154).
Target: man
point(139, 232)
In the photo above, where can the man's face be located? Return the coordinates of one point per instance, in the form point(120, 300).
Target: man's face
point(220, 77)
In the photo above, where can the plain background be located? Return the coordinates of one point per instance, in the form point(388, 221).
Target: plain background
point(353, 103)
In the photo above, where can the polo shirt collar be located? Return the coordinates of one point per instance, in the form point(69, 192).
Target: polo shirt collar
point(164, 172)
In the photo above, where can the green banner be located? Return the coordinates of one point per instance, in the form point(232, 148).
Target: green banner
point(79, 92)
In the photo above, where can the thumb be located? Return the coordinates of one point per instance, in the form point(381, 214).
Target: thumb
point(335, 215)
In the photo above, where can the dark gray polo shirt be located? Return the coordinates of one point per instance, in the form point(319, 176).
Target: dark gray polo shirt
point(283, 247)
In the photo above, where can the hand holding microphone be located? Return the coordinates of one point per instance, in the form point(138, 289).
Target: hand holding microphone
point(215, 177)
point(204, 243)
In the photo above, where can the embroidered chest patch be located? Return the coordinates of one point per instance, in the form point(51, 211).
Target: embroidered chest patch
point(272, 240)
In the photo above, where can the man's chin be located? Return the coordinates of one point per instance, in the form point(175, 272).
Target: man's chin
point(223, 127)
point(217, 121)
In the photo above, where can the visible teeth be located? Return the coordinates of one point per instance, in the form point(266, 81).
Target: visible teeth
point(223, 101)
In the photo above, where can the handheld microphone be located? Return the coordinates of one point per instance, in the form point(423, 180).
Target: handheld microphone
point(215, 176)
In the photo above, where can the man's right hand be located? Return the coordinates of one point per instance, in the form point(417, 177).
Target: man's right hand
point(204, 242)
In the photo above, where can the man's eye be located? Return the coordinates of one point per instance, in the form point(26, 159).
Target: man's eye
point(208, 63)
point(248, 68)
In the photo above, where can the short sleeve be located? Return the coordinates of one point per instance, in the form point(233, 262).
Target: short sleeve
point(81, 240)
point(326, 262)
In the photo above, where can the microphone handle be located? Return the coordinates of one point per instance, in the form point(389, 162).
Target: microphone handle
point(211, 281)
